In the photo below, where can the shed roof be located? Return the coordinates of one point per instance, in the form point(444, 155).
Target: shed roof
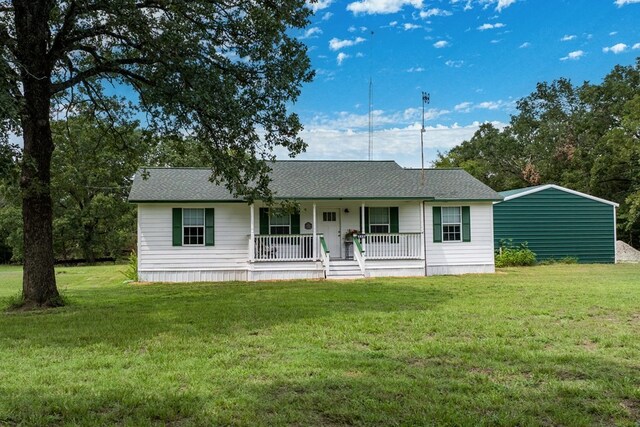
point(513, 194)
point(300, 179)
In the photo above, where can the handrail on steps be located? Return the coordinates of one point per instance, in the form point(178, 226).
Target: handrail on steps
point(359, 254)
point(324, 255)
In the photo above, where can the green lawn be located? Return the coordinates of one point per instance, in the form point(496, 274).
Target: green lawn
point(554, 345)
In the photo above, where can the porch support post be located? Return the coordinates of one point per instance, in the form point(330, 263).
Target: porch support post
point(252, 236)
point(422, 229)
point(314, 245)
point(362, 230)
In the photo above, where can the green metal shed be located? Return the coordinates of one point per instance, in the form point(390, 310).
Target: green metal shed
point(557, 222)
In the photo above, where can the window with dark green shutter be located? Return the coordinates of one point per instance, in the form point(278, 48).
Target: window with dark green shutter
point(451, 224)
point(193, 227)
point(277, 223)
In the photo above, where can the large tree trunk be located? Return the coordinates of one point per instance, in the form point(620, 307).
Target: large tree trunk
point(39, 281)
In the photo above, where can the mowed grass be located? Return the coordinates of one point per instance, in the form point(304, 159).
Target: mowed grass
point(553, 345)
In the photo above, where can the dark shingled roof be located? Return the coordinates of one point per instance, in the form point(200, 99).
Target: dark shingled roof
point(300, 179)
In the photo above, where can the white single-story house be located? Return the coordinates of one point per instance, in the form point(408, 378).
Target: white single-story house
point(354, 219)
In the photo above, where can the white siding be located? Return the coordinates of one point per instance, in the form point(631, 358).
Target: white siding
point(159, 261)
point(475, 256)
point(156, 253)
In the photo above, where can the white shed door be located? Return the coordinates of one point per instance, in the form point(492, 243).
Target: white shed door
point(329, 225)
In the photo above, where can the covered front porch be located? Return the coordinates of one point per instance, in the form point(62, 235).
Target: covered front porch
point(338, 234)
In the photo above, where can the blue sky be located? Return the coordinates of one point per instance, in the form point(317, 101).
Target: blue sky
point(475, 58)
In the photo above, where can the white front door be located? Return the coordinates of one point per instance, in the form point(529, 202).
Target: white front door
point(329, 226)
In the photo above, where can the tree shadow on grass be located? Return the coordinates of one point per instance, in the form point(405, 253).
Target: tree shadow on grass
point(120, 317)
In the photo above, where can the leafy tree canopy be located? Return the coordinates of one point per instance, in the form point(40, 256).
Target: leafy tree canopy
point(583, 137)
point(220, 71)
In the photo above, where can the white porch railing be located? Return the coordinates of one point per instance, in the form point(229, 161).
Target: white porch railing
point(358, 254)
point(394, 246)
point(324, 255)
point(291, 247)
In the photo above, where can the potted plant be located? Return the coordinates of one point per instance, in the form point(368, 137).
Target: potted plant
point(349, 235)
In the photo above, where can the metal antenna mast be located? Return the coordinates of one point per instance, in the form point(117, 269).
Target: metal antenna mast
point(370, 119)
point(425, 100)
point(371, 98)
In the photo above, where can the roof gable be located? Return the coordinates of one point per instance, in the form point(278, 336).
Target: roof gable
point(514, 194)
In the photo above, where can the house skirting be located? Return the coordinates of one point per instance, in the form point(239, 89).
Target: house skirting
point(181, 276)
point(441, 270)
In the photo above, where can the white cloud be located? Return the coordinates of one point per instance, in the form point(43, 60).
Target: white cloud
point(613, 33)
point(319, 5)
point(463, 106)
point(337, 44)
point(568, 37)
point(468, 106)
point(621, 3)
point(454, 63)
point(636, 46)
point(393, 23)
point(346, 120)
point(503, 4)
point(434, 12)
point(440, 44)
point(574, 56)
point(525, 45)
point(311, 32)
point(327, 16)
point(341, 57)
point(400, 143)
point(415, 70)
point(616, 48)
point(484, 27)
point(409, 26)
point(372, 7)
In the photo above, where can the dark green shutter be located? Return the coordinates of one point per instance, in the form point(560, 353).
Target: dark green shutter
point(366, 220)
point(466, 224)
point(177, 227)
point(209, 224)
point(264, 221)
point(295, 223)
point(437, 224)
point(394, 221)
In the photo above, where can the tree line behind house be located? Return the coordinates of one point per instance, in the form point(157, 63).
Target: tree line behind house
point(92, 170)
point(586, 137)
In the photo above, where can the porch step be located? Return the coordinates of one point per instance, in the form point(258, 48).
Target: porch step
point(344, 269)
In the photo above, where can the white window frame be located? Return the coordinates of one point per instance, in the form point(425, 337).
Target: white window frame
point(388, 224)
point(289, 225)
point(459, 224)
point(203, 226)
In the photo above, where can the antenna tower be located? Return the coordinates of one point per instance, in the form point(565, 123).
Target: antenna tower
point(371, 98)
point(370, 118)
point(426, 98)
